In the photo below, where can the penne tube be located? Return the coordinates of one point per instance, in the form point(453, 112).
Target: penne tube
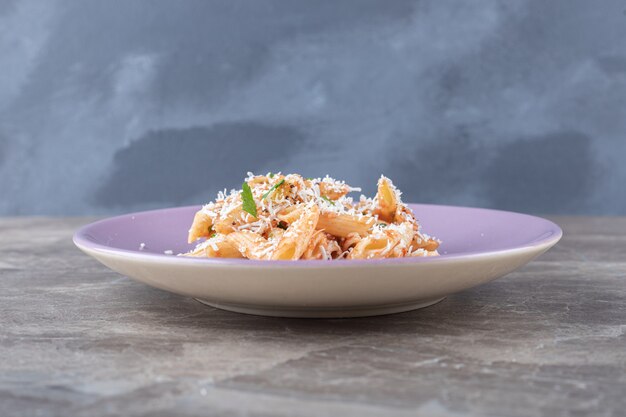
point(216, 247)
point(404, 214)
point(431, 245)
point(250, 244)
point(342, 225)
point(422, 252)
point(312, 249)
point(349, 241)
point(391, 242)
point(333, 191)
point(386, 200)
point(423, 242)
point(373, 247)
point(296, 239)
point(201, 226)
point(290, 214)
point(275, 234)
point(405, 232)
point(321, 246)
point(235, 218)
point(226, 224)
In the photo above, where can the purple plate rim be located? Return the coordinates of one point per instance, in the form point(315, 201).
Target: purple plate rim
point(82, 241)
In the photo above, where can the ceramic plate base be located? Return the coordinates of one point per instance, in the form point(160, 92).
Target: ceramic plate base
point(305, 312)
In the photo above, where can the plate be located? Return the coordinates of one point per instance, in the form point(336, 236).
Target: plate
point(479, 245)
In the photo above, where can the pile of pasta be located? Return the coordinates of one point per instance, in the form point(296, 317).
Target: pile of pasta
point(289, 217)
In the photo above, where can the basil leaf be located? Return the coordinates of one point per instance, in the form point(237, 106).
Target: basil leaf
point(275, 186)
point(248, 200)
point(328, 199)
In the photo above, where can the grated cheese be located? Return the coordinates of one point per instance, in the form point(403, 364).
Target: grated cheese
point(330, 197)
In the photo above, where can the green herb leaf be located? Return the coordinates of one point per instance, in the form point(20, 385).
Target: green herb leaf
point(309, 179)
point(248, 200)
point(213, 235)
point(275, 186)
point(382, 224)
point(282, 225)
point(328, 199)
point(271, 175)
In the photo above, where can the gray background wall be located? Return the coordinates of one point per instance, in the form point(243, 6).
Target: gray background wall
point(111, 106)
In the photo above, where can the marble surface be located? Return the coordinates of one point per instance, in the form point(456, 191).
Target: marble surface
point(77, 339)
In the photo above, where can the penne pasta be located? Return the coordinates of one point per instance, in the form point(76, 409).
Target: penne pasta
point(216, 247)
point(202, 226)
point(234, 220)
point(392, 241)
point(342, 225)
point(350, 241)
point(424, 242)
point(322, 246)
point(372, 247)
point(249, 244)
point(333, 192)
point(387, 200)
point(290, 214)
point(422, 252)
point(288, 217)
point(296, 238)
